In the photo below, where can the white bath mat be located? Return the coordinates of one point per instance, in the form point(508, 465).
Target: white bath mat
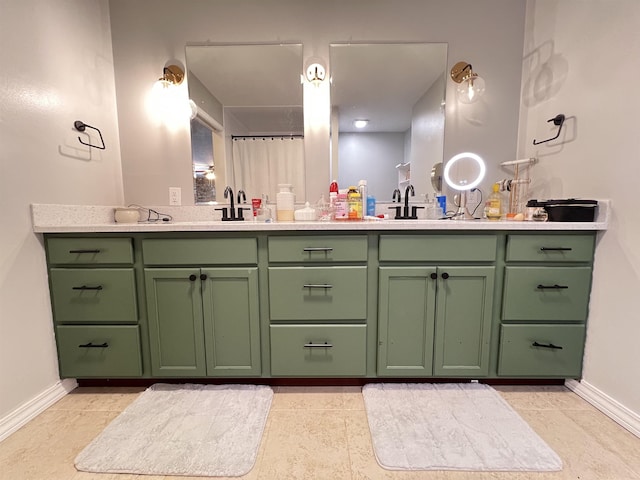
point(195, 430)
point(466, 426)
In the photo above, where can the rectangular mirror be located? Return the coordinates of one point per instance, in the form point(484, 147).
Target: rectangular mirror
point(399, 89)
point(248, 132)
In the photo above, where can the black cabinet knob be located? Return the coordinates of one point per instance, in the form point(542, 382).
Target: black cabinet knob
point(192, 277)
point(203, 276)
point(434, 276)
point(445, 275)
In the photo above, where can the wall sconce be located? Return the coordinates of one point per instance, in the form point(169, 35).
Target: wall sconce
point(315, 74)
point(470, 86)
point(167, 102)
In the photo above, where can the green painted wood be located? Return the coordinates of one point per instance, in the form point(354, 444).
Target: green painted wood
point(318, 248)
point(176, 331)
point(519, 357)
point(406, 310)
point(550, 248)
point(85, 295)
point(437, 248)
point(344, 355)
point(89, 251)
point(523, 300)
point(231, 321)
point(463, 321)
point(98, 351)
point(318, 293)
point(200, 251)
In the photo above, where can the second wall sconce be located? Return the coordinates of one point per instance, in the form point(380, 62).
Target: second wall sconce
point(470, 86)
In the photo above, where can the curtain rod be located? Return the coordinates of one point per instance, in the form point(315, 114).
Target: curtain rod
point(234, 137)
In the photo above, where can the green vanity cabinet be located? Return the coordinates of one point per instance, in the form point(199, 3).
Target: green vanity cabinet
point(435, 319)
point(92, 282)
point(203, 321)
point(545, 304)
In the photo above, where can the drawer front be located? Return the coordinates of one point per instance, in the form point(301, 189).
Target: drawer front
point(318, 293)
point(200, 251)
point(89, 251)
point(93, 295)
point(321, 249)
point(99, 351)
point(546, 293)
point(541, 350)
point(435, 248)
point(550, 248)
point(318, 350)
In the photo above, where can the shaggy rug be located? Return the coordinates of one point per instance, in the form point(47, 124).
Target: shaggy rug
point(195, 430)
point(466, 426)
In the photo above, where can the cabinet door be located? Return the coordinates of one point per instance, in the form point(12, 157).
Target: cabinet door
point(231, 321)
point(176, 334)
point(463, 321)
point(405, 321)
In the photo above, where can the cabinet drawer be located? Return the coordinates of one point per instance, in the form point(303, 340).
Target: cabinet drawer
point(546, 293)
point(93, 295)
point(321, 249)
point(323, 350)
point(550, 248)
point(99, 351)
point(435, 248)
point(541, 350)
point(89, 251)
point(318, 293)
point(200, 251)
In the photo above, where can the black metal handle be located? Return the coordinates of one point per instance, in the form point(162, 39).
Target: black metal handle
point(203, 276)
point(84, 251)
point(550, 345)
point(91, 345)
point(81, 127)
point(434, 276)
point(445, 275)
point(317, 285)
point(556, 249)
point(317, 249)
point(552, 287)
point(558, 121)
point(318, 345)
point(84, 287)
point(192, 277)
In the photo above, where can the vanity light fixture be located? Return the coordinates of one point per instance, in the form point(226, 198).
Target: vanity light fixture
point(360, 123)
point(171, 75)
point(470, 86)
point(315, 74)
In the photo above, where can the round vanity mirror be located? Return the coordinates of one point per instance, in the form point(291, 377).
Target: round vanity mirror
point(464, 172)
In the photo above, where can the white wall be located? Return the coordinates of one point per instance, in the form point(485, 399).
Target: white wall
point(56, 68)
point(581, 60)
point(149, 33)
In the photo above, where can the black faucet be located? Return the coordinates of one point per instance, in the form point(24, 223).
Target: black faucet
point(228, 193)
point(242, 198)
point(405, 212)
point(409, 191)
point(396, 195)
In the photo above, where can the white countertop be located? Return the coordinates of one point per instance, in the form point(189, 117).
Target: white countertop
point(99, 219)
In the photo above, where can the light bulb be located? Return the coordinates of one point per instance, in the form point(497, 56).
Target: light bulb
point(360, 123)
point(470, 89)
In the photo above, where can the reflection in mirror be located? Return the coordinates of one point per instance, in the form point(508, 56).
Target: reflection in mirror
point(249, 126)
point(399, 89)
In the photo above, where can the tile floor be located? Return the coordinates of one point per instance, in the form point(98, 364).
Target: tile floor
point(321, 433)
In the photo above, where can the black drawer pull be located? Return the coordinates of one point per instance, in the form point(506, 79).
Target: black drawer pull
point(433, 276)
point(192, 277)
point(317, 249)
point(552, 287)
point(318, 345)
point(556, 249)
point(84, 251)
point(91, 345)
point(445, 275)
point(203, 276)
point(317, 285)
point(84, 287)
point(551, 346)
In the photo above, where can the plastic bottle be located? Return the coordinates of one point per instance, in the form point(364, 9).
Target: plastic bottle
point(354, 201)
point(333, 188)
point(362, 189)
point(493, 205)
point(285, 200)
point(371, 206)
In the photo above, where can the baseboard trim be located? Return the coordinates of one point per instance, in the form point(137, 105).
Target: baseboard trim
point(607, 405)
point(28, 411)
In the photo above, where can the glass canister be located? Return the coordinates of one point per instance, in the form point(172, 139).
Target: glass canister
point(285, 200)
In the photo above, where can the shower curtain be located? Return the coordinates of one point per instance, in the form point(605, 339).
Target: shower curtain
point(261, 163)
